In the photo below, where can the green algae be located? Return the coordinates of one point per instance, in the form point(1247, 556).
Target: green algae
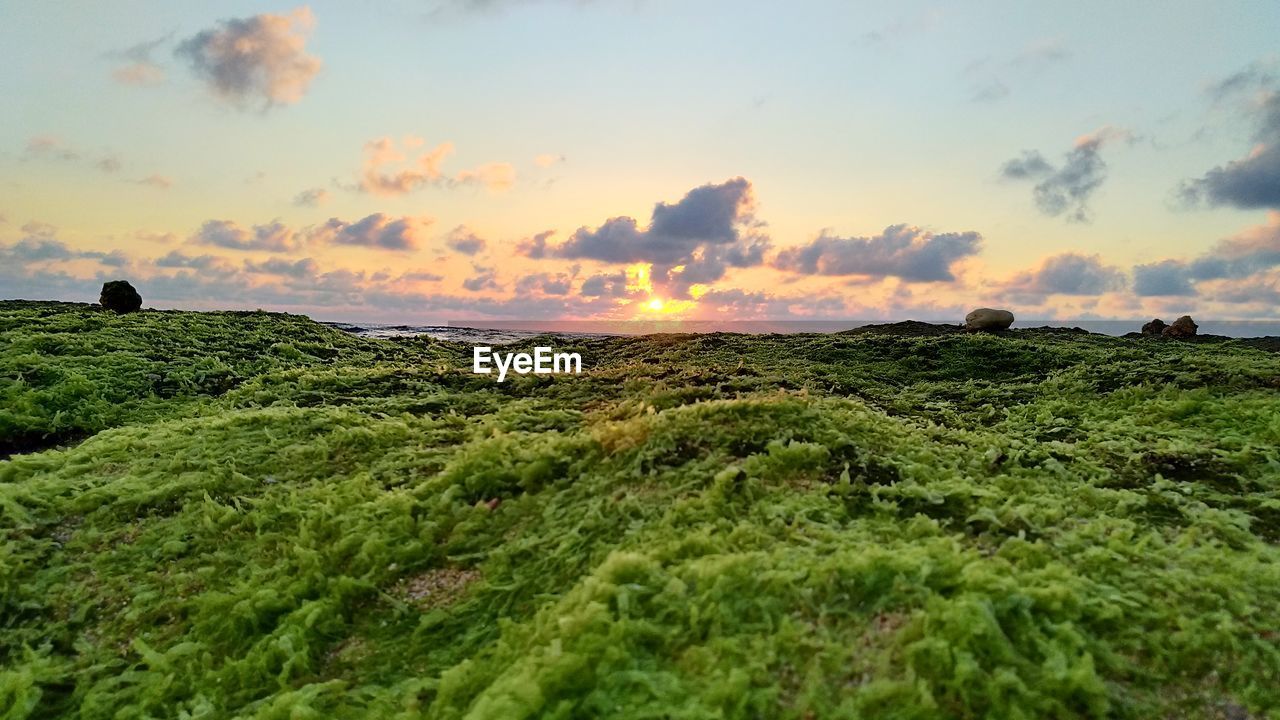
point(268, 518)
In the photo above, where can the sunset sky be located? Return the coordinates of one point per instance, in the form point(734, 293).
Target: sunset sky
point(417, 161)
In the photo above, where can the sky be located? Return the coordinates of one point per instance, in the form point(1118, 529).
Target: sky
point(443, 160)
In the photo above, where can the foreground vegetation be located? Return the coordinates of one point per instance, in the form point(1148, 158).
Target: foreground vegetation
point(251, 515)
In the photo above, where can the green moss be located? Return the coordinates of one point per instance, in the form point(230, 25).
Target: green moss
point(258, 516)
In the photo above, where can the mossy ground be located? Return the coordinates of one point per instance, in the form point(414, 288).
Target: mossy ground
point(256, 516)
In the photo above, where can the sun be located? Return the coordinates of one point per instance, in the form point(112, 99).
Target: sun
point(655, 305)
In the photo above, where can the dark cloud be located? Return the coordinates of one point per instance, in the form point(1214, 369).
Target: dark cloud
point(1244, 256)
point(1252, 181)
point(607, 285)
point(421, 276)
point(1031, 166)
point(306, 267)
point(484, 279)
point(711, 229)
point(1248, 253)
point(902, 251)
point(738, 303)
point(40, 244)
point(1167, 277)
point(535, 247)
point(311, 197)
point(544, 283)
point(1067, 274)
point(274, 237)
point(176, 259)
point(375, 231)
point(263, 57)
point(464, 241)
point(1065, 189)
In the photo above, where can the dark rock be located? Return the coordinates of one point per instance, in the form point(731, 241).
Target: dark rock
point(1183, 327)
point(988, 319)
point(1155, 327)
point(905, 328)
point(119, 296)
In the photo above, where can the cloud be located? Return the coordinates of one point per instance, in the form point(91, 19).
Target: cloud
point(484, 279)
point(902, 251)
point(1068, 188)
point(157, 181)
point(1252, 181)
point(495, 177)
point(177, 259)
point(1166, 277)
point(138, 74)
point(311, 197)
point(902, 28)
point(421, 276)
point(40, 244)
point(994, 79)
point(381, 176)
point(464, 241)
point(263, 57)
point(1243, 256)
point(535, 247)
point(375, 231)
point(381, 152)
point(51, 147)
point(543, 283)
point(138, 67)
point(691, 241)
point(1030, 166)
point(1249, 183)
point(1066, 274)
point(612, 285)
point(547, 160)
point(154, 237)
point(275, 236)
point(306, 267)
point(446, 9)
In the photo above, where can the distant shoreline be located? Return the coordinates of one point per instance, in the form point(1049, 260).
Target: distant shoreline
point(903, 328)
point(1259, 332)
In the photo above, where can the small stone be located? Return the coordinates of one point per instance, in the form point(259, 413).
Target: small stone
point(1155, 327)
point(1183, 327)
point(119, 296)
point(988, 319)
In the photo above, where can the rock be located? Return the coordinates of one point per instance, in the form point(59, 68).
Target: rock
point(119, 296)
point(1155, 327)
point(1183, 327)
point(988, 319)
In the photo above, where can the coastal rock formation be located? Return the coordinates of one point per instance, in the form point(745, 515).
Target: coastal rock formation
point(119, 296)
point(1155, 327)
point(1183, 327)
point(988, 319)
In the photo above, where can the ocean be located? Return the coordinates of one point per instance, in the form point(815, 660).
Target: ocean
point(497, 332)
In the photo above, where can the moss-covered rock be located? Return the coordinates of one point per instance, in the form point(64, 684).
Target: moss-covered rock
point(254, 515)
